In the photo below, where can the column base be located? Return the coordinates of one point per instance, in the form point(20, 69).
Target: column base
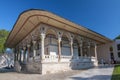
point(96, 63)
point(17, 66)
point(43, 57)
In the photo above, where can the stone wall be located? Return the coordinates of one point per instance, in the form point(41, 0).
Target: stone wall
point(54, 67)
point(34, 67)
point(31, 67)
point(79, 64)
point(17, 66)
point(103, 52)
point(115, 50)
point(48, 68)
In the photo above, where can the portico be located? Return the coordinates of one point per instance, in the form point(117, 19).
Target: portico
point(43, 41)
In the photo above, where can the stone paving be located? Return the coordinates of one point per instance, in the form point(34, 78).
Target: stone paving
point(99, 73)
point(23, 76)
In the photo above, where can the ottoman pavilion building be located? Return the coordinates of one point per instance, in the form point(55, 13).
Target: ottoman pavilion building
point(46, 43)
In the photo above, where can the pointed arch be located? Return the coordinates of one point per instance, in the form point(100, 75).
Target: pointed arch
point(51, 31)
point(65, 46)
point(76, 47)
point(51, 42)
point(68, 35)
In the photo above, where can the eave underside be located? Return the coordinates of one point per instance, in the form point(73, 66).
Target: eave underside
point(28, 21)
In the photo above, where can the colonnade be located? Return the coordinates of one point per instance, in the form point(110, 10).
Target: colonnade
point(22, 51)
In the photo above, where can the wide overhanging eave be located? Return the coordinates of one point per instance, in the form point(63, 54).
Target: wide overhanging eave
point(19, 28)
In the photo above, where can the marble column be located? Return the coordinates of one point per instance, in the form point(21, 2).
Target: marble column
point(24, 54)
point(34, 50)
point(14, 50)
point(96, 51)
point(42, 46)
point(59, 49)
point(81, 50)
point(96, 61)
point(88, 50)
point(20, 53)
point(17, 53)
point(28, 52)
point(71, 47)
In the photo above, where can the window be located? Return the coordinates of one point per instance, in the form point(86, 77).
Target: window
point(118, 46)
point(119, 54)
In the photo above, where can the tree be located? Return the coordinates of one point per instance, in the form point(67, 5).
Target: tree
point(118, 37)
point(3, 37)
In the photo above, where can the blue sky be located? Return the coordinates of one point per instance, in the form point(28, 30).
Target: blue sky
point(102, 16)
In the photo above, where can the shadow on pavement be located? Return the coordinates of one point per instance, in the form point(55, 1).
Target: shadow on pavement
point(5, 70)
point(97, 77)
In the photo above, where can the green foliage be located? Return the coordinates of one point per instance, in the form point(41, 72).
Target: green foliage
point(3, 37)
point(116, 73)
point(118, 37)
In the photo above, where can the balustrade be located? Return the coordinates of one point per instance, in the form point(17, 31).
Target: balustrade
point(54, 58)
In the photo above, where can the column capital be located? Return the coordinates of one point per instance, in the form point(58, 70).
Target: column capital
point(43, 29)
point(24, 44)
point(42, 35)
point(81, 45)
point(59, 34)
point(81, 41)
point(20, 47)
point(71, 41)
point(95, 43)
point(33, 36)
point(24, 48)
point(28, 45)
point(88, 45)
point(33, 41)
point(59, 39)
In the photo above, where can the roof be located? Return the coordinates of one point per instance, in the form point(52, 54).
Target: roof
point(30, 19)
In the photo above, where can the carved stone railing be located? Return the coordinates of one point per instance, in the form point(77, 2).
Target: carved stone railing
point(36, 59)
point(51, 58)
point(93, 59)
point(84, 59)
point(83, 62)
point(54, 58)
point(65, 58)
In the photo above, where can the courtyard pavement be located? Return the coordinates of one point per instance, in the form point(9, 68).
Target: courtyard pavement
point(98, 73)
